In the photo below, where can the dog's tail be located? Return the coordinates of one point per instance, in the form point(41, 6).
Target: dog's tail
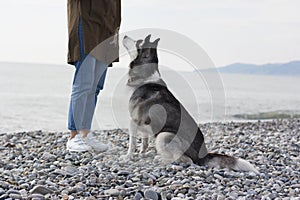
point(225, 161)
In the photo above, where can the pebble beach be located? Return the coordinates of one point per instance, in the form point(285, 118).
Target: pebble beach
point(36, 165)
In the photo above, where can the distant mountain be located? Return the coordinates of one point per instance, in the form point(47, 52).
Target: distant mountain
point(284, 69)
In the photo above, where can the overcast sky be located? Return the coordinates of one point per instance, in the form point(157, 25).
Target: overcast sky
point(251, 31)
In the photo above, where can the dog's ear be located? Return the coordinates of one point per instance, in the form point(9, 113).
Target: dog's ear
point(131, 47)
point(155, 43)
point(147, 39)
point(139, 44)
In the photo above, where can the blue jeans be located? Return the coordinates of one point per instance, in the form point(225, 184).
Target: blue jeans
point(88, 80)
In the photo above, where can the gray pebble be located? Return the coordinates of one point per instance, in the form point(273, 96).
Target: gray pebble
point(123, 173)
point(180, 195)
point(13, 192)
point(40, 189)
point(233, 194)
point(4, 185)
point(135, 179)
point(15, 196)
point(2, 191)
point(50, 183)
point(4, 196)
point(129, 183)
point(138, 196)
point(71, 170)
point(48, 156)
point(36, 196)
point(112, 192)
point(23, 192)
point(150, 194)
point(24, 186)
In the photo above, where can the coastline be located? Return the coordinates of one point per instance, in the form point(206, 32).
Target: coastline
point(37, 165)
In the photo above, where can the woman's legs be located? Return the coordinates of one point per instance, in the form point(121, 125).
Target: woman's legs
point(88, 79)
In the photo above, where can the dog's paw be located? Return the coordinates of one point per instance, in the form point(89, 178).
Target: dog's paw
point(127, 157)
point(158, 158)
point(163, 160)
point(185, 159)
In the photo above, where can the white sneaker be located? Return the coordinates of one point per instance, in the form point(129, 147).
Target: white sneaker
point(91, 141)
point(77, 144)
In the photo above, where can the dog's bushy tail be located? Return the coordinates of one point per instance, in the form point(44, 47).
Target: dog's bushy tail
point(225, 161)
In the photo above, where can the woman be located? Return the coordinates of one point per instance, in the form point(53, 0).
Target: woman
point(93, 27)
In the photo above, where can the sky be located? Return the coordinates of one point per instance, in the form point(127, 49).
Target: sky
point(249, 31)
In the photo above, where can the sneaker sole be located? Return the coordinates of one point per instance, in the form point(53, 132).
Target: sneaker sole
point(76, 150)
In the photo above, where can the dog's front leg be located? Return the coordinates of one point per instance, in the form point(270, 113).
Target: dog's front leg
point(132, 147)
point(132, 141)
point(145, 144)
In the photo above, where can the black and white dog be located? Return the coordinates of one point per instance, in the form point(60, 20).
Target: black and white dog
point(156, 113)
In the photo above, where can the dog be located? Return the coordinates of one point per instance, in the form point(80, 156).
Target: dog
point(156, 113)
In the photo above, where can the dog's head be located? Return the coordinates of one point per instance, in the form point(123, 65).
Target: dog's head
point(144, 60)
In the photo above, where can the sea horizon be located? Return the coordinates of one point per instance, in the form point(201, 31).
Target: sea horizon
point(36, 97)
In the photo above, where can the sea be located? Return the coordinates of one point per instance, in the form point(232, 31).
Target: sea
point(36, 97)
